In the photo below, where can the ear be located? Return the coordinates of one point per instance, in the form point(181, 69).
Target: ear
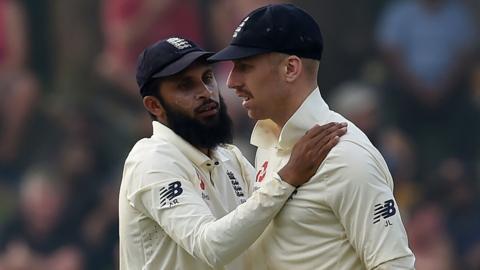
point(153, 105)
point(293, 68)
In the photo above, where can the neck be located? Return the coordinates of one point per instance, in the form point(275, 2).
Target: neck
point(292, 104)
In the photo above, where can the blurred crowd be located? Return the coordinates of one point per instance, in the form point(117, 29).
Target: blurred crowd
point(407, 72)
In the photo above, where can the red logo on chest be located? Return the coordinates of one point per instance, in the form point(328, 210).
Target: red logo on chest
point(262, 172)
point(202, 181)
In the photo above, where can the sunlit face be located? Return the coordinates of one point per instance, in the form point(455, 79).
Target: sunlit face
point(194, 93)
point(257, 81)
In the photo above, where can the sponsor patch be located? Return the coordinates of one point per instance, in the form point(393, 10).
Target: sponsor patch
point(169, 193)
point(385, 210)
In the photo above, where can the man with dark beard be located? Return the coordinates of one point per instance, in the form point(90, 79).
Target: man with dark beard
point(187, 199)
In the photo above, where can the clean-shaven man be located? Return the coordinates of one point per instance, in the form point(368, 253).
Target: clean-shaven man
point(346, 216)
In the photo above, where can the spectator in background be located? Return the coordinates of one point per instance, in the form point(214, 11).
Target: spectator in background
point(475, 85)
point(89, 188)
point(18, 86)
point(100, 230)
point(33, 239)
point(458, 192)
point(474, 98)
point(401, 157)
point(359, 103)
point(130, 25)
point(427, 44)
point(429, 239)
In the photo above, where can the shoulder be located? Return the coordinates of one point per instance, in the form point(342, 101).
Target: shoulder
point(355, 161)
point(352, 172)
point(354, 148)
point(348, 155)
point(154, 155)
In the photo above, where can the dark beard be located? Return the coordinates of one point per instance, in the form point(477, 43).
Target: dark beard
point(204, 135)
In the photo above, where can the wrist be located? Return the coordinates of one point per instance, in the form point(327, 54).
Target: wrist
point(287, 177)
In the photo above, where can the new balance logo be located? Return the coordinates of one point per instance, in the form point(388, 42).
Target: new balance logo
point(384, 211)
point(179, 43)
point(239, 28)
point(167, 194)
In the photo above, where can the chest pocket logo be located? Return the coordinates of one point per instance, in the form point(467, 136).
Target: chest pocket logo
point(202, 186)
point(262, 172)
point(202, 181)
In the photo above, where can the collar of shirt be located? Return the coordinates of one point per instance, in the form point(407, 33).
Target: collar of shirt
point(314, 110)
point(196, 156)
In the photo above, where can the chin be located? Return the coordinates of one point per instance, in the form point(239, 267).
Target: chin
point(210, 121)
point(254, 116)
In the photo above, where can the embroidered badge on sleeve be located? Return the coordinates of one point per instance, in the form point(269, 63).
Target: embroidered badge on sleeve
point(169, 193)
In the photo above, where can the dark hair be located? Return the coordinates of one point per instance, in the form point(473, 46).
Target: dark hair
point(152, 88)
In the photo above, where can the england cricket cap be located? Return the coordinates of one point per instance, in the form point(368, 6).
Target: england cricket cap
point(282, 28)
point(166, 58)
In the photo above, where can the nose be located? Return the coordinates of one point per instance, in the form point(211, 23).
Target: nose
point(205, 92)
point(233, 80)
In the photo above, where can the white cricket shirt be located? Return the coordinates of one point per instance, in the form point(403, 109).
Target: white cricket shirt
point(180, 209)
point(345, 217)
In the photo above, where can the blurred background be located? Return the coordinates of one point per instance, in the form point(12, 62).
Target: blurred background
point(406, 72)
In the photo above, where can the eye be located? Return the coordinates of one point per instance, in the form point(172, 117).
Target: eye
point(209, 78)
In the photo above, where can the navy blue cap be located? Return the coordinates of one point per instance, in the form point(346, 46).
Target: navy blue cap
point(282, 28)
point(165, 58)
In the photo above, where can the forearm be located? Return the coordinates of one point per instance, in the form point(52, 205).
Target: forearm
point(191, 224)
point(226, 238)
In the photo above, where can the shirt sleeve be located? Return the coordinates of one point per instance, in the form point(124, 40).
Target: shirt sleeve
point(361, 196)
point(404, 263)
point(169, 198)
